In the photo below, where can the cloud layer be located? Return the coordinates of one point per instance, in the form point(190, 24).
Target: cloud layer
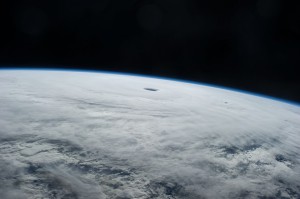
point(89, 135)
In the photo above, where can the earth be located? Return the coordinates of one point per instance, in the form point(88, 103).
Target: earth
point(67, 134)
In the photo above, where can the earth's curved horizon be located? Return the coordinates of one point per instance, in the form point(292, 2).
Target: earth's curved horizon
point(186, 81)
point(78, 134)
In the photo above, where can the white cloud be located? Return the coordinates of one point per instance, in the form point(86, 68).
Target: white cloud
point(104, 136)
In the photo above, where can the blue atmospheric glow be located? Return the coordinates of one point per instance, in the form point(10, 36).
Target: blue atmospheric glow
point(156, 77)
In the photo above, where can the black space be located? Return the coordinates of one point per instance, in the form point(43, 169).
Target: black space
point(250, 45)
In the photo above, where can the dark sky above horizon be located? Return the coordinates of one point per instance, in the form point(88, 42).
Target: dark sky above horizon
point(250, 45)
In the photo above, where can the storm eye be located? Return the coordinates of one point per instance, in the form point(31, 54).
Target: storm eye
point(151, 89)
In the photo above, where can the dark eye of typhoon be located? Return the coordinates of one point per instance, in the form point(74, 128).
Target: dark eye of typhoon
point(151, 89)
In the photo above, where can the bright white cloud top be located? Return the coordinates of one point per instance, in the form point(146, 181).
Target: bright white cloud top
point(96, 135)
